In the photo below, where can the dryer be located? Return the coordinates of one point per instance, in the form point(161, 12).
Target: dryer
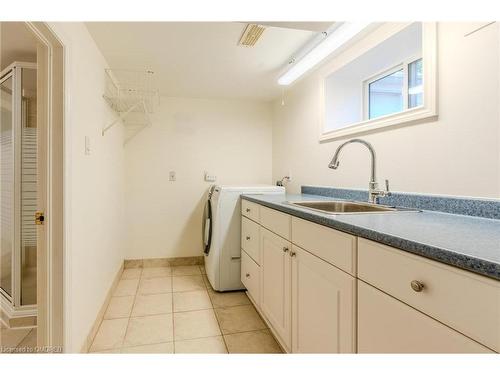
point(222, 233)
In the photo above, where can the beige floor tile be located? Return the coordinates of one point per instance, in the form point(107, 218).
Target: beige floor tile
point(187, 283)
point(109, 351)
point(30, 340)
point(110, 335)
point(204, 345)
point(252, 342)
point(165, 347)
point(154, 272)
point(152, 329)
point(155, 286)
point(195, 324)
point(207, 283)
point(202, 269)
point(186, 270)
point(11, 338)
point(228, 299)
point(152, 304)
point(131, 273)
point(239, 319)
point(127, 287)
point(119, 307)
point(193, 300)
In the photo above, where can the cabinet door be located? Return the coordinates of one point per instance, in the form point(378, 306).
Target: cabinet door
point(323, 306)
point(386, 325)
point(275, 283)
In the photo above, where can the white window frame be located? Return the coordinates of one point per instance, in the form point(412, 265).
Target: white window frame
point(404, 66)
point(428, 110)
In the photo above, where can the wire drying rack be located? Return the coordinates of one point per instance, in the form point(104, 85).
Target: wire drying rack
point(133, 96)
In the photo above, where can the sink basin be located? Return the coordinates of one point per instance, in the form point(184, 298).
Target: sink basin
point(347, 207)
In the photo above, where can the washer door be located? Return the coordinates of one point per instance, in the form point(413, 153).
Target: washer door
point(207, 226)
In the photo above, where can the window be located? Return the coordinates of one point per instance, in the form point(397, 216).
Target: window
point(380, 83)
point(395, 90)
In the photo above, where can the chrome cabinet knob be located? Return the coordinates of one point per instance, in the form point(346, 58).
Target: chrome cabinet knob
point(248, 238)
point(417, 286)
point(248, 210)
point(293, 253)
point(285, 249)
point(247, 275)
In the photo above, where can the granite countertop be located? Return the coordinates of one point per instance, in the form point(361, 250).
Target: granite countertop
point(468, 242)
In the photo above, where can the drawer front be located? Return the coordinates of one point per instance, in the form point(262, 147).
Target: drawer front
point(335, 247)
point(386, 325)
point(250, 241)
point(250, 210)
point(462, 300)
point(276, 222)
point(250, 276)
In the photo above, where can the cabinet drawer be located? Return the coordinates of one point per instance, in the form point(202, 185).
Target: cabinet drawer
point(276, 222)
point(250, 241)
point(335, 247)
point(462, 300)
point(250, 210)
point(250, 276)
point(386, 325)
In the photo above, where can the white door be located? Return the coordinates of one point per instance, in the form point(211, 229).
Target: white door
point(323, 306)
point(275, 283)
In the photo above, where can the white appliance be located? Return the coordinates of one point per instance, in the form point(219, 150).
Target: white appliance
point(222, 233)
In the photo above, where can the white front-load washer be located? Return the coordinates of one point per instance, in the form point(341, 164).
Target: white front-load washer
point(222, 233)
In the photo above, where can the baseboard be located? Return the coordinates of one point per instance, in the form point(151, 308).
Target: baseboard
point(100, 315)
point(164, 262)
point(266, 322)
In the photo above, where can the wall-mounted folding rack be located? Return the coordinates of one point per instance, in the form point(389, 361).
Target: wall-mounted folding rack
point(133, 96)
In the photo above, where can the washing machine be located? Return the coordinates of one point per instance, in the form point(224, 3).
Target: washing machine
point(222, 233)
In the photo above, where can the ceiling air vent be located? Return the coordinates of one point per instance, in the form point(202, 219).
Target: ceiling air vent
point(251, 35)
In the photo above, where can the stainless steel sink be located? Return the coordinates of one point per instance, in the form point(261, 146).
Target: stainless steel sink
point(347, 207)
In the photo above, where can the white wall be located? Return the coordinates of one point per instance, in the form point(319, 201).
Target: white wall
point(94, 186)
point(228, 138)
point(456, 155)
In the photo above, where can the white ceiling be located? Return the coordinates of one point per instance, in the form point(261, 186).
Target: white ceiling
point(202, 59)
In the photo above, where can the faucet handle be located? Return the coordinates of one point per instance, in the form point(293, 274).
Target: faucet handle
point(387, 190)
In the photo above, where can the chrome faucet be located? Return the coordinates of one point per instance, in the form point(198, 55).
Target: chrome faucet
point(373, 191)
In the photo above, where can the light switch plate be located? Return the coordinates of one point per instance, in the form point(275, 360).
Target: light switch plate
point(87, 145)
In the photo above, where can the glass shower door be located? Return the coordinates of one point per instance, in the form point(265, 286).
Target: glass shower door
point(6, 185)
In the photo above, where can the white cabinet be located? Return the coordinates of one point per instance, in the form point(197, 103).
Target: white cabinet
point(275, 284)
point(323, 306)
point(250, 277)
point(386, 325)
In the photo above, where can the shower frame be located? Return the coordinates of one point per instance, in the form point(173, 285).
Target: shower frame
point(11, 305)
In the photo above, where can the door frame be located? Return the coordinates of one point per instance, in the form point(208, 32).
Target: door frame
point(50, 117)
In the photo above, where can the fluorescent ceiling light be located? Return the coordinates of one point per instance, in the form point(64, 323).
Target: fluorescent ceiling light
point(332, 42)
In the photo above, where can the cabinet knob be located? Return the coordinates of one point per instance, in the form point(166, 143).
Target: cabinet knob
point(417, 286)
point(247, 275)
point(285, 249)
point(293, 253)
point(248, 238)
point(247, 210)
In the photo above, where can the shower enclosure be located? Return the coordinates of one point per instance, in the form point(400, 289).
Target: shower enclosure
point(18, 198)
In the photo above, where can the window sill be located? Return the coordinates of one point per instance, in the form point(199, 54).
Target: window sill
point(408, 117)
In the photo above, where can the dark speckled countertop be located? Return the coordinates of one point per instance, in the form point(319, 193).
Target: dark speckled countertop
point(468, 242)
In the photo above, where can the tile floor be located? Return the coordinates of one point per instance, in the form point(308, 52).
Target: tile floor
point(17, 340)
point(175, 310)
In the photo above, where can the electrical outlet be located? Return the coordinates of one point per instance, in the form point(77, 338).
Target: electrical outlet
point(210, 177)
point(171, 176)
